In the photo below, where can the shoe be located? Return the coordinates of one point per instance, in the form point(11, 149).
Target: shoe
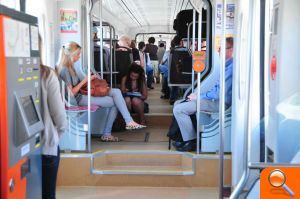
point(188, 146)
point(177, 144)
point(135, 127)
point(150, 87)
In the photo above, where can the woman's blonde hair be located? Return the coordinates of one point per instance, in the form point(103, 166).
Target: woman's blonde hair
point(125, 41)
point(66, 55)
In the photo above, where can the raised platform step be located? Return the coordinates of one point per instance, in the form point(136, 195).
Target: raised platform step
point(142, 163)
point(136, 193)
point(142, 168)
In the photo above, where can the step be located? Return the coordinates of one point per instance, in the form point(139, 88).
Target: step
point(161, 168)
point(142, 162)
point(109, 192)
point(158, 120)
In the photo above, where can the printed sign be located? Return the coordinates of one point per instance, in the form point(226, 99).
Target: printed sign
point(199, 61)
point(68, 21)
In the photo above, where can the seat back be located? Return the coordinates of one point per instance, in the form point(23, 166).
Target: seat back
point(123, 62)
point(180, 65)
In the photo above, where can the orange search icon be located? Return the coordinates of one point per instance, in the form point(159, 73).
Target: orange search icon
point(277, 179)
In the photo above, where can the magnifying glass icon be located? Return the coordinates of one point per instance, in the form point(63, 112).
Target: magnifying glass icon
point(277, 179)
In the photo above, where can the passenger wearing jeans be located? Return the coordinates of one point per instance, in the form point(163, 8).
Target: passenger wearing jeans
point(209, 102)
point(70, 53)
point(145, 62)
point(152, 49)
point(54, 117)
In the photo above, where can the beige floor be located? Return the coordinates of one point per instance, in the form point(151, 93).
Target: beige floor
point(135, 193)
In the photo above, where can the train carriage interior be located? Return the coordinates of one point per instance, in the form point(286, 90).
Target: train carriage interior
point(213, 86)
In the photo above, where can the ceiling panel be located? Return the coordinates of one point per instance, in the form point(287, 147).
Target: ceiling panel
point(138, 13)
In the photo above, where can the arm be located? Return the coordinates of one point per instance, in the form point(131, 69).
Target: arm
point(144, 92)
point(76, 89)
point(56, 104)
point(123, 85)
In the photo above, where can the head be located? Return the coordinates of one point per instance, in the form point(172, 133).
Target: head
point(135, 73)
point(132, 44)
point(177, 41)
point(161, 45)
point(124, 41)
point(69, 54)
point(229, 48)
point(142, 46)
point(151, 40)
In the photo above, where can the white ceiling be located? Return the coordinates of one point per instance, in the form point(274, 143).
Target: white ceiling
point(145, 13)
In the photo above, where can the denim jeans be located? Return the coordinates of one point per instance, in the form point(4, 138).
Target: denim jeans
point(50, 165)
point(149, 78)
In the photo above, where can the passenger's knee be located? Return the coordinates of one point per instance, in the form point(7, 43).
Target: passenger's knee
point(116, 91)
point(136, 101)
point(176, 110)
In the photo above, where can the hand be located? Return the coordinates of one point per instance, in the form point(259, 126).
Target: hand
point(192, 96)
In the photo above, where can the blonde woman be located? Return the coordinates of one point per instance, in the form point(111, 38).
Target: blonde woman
point(70, 53)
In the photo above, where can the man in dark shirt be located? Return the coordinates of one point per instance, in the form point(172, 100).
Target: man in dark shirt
point(151, 48)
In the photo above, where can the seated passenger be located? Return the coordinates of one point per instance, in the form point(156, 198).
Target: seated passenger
point(70, 53)
point(134, 90)
point(209, 102)
point(135, 51)
point(124, 43)
point(164, 69)
point(145, 62)
point(178, 45)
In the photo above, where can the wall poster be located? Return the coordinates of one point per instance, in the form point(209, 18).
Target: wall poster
point(68, 21)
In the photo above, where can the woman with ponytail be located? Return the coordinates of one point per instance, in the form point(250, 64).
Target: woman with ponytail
point(70, 53)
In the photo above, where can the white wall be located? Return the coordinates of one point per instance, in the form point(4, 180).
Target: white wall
point(45, 11)
point(14, 4)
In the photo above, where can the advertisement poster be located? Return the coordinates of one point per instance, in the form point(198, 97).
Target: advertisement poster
point(68, 21)
point(230, 17)
point(230, 9)
point(219, 16)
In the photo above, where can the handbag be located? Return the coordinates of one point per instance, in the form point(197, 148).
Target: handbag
point(99, 88)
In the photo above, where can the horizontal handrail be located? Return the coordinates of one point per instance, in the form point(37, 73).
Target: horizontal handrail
point(262, 165)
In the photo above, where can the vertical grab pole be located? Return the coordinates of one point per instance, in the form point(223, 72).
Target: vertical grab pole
point(199, 79)
point(101, 38)
point(90, 61)
point(222, 103)
point(110, 54)
point(193, 47)
point(247, 146)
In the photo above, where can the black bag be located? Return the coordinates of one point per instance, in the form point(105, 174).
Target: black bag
point(119, 124)
point(146, 107)
point(174, 130)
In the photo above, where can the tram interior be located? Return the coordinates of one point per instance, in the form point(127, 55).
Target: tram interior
point(258, 130)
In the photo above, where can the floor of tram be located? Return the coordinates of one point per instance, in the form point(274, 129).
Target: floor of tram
point(154, 137)
point(135, 192)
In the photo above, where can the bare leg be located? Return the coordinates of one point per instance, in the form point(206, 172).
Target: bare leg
point(138, 106)
point(128, 103)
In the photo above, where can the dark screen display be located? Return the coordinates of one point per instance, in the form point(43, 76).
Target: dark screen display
point(29, 109)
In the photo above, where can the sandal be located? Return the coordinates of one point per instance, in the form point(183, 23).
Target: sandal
point(109, 138)
point(134, 127)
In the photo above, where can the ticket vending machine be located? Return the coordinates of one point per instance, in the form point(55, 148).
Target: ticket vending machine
point(20, 117)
